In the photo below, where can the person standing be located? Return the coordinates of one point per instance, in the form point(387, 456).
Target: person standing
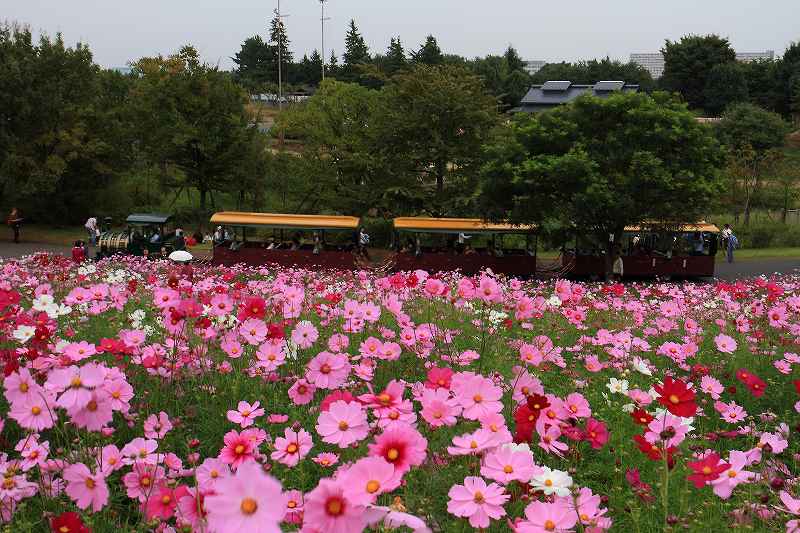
point(15, 221)
point(733, 243)
point(725, 234)
point(180, 242)
point(91, 229)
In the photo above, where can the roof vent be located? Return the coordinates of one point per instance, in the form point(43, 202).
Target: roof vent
point(608, 86)
point(559, 86)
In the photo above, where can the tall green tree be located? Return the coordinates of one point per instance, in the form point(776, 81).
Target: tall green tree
point(279, 42)
point(58, 142)
point(592, 71)
point(256, 64)
point(356, 53)
point(726, 85)
point(192, 124)
point(753, 138)
point(429, 53)
point(432, 123)
point(395, 59)
point(502, 79)
point(688, 63)
point(598, 165)
point(513, 59)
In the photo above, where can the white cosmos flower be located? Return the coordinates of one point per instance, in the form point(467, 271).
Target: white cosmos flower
point(554, 301)
point(618, 385)
point(24, 333)
point(628, 408)
point(41, 302)
point(552, 482)
point(640, 365)
point(514, 447)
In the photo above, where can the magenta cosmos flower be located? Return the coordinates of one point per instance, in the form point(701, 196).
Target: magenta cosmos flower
point(367, 479)
point(556, 517)
point(237, 450)
point(343, 424)
point(292, 447)
point(249, 501)
point(477, 501)
point(328, 509)
point(402, 446)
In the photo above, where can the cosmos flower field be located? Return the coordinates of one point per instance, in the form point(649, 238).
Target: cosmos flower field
point(137, 397)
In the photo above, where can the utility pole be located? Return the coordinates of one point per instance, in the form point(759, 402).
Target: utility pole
point(322, 21)
point(280, 17)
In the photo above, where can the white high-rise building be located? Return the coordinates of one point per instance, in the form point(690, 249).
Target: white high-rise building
point(532, 67)
point(654, 61)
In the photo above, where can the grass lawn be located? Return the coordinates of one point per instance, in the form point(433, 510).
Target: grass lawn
point(752, 254)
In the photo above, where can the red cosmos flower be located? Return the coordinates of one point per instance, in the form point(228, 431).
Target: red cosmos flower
point(641, 417)
point(705, 470)
point(655, 452)
point(700, 370)
point(253, 307)
point(68, 523)
point(797, 385)
point(335, 396)
point(412, 280)
point(438, 377)
point(537, 402)
point(755, 385)
point(676, 397)
point(596, 433)
point(525, 419)
point(275, 331)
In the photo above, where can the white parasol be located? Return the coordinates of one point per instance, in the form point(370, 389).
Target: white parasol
point(180, 256)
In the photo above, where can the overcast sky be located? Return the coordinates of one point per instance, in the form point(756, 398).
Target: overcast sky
point(120, 31)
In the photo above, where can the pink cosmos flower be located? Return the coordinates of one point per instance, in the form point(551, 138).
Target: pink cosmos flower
point(596, 433)
point(32, 413)
point(711, 386)
point(368, 478)
point(231, 347)
point(556, 517)
point(20, 386)
point(477, 501)
point(95, 414)
point(250, 500)
point(162, 502)
point(271, 355)
point(326, 459)
point(505, 464)
point(119, 393)
point(328, 509)
point(343, 424)
point(338, 342)
point(549, 440)
point(328, 370)
point(292, 447)
point(402, 446)
point(140, 450)
point(305, 334)
point(142, 480)
point(472, 443)
point(77, 351)
point(156, 427)
point(666, 422)
point(725, 344)
point(294, 507)
point(438, 409)
point(302, 392)
point(577, 406)
point(191, 508)
point(246, 414)
point(253, 330)
point(84, 488)
point(76, 384)
point(479, 396)
point(110, 459)
point(736, 474)
point(238, 449)
point(211, 471)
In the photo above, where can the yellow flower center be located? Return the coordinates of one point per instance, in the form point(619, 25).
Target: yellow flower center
point(92, 406)
point(548, 482)
point(373, 486)
point(706, 470)
point(508, 469)
point(90, 483)
point(239, 450)
point(384, 398)
point(291, 504)
point(23, 387)
point(473, 444)
point(76, 382)
point(249, 506)
point(674, 399)
point(165, 499)
point(36, 410)
point(478, 497)
point(343, 426)
point(477, 398)
point(549, 525)
point(292, 448)
point(393, 454)
point(334, 507)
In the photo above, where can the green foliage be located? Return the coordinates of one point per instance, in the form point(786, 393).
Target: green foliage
point(689, 62)
point(748, 125)
point(601, 164)
point(58, 141)
point(257, 64)
point(726, 85)
point(192, 124)
point(356, 53)
point(504, 76)
point(429, 53)
point(395, 59)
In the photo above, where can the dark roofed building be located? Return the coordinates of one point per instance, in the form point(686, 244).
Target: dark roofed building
point(555, 93)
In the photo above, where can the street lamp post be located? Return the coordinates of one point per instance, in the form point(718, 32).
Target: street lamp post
point(322, 24)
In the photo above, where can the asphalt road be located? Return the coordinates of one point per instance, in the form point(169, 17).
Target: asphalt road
point(728, 271)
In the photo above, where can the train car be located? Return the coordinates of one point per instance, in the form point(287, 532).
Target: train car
point(146, 234)
point(467, 244)
point(308, 241)
point(647, 250)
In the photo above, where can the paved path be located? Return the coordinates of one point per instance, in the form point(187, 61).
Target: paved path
point(738, 269)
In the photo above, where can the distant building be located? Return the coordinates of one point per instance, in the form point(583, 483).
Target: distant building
point(654, 61)
point(532, 67)
point(554, 93)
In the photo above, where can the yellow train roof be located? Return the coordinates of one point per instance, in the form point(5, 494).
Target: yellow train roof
point(277, 220)
point(688, 228)
point(453, 225)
